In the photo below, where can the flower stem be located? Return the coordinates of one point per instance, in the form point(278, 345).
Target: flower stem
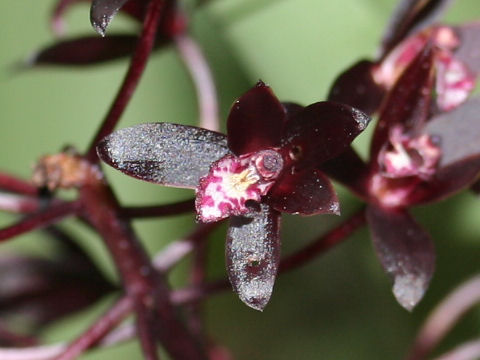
point(158, 210)
point(52, 214)
point(141, 281)
point(98, 330)
point(137, 66)
point(202, 78)
point(14, 184)
point(324, 242)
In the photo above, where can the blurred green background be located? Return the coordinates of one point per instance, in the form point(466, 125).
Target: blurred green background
point(337, 307)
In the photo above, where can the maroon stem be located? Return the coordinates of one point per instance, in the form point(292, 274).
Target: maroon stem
point(137, 66)
point(98, 330)
point(50, 215)
point(18, 203)
point(141, 281)
point(159, 210)
point(324, 243)
point(197, 277)
point(14, 184)
point(146, 331)
point(313, 250)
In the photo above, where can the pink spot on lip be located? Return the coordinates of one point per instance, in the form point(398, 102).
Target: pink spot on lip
point(232, 181)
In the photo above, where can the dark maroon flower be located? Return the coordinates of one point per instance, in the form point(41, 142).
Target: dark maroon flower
point(417, 156)
point(268, 163)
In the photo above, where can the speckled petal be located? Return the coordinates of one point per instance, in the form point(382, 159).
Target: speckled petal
point(256, 121)
point(163, 153)
point(405, 251)
point(322, 131)
point(306, 192)
point(253, 255)
point(102, 12)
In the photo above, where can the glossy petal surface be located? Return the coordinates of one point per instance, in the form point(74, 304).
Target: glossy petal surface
point(85, 51)
point(253, 255)
point(256, 121)
point(405, 251)
point(163, 153)
point(322, 131)
point(356, 87)
point(408, 103)
point(458, 132)
point(102, 12)
point(306, 192)
point(411, 16)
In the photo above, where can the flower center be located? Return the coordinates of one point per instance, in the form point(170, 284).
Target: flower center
point(409, 156)
point(232, 181)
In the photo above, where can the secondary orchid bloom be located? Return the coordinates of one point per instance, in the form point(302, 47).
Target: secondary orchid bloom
point(267, 164)
point(417, 156)
point(457, 60)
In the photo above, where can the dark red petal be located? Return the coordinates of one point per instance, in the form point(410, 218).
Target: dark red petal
point(356, 87)
point(307, 192)
point(253, 255)
point(322, 131)
point(163, 153)
point(85, 51)
point(102, 12)
point(408, 103)
point(468, 52)
point(458, 132)
point(348, 169)
point(411, 16)
point(405, 251)
point(256, 121)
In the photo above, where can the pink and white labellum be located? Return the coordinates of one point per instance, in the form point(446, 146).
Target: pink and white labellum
point(455, 81)
point(409, 156)
point(233, 181)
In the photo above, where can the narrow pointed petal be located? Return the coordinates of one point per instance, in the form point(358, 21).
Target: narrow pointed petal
point(253, 255)
point(256, 121)
point(411, 16)
point(84, 51)
point(102, 12)
point(163, 153)
point(468, 52)
point(458, 132)
point(408, 103)
point(405, 251)
point(307, 192)
point(357, 88)
point(322, 131)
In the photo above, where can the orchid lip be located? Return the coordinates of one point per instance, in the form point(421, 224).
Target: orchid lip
point(234, 182)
